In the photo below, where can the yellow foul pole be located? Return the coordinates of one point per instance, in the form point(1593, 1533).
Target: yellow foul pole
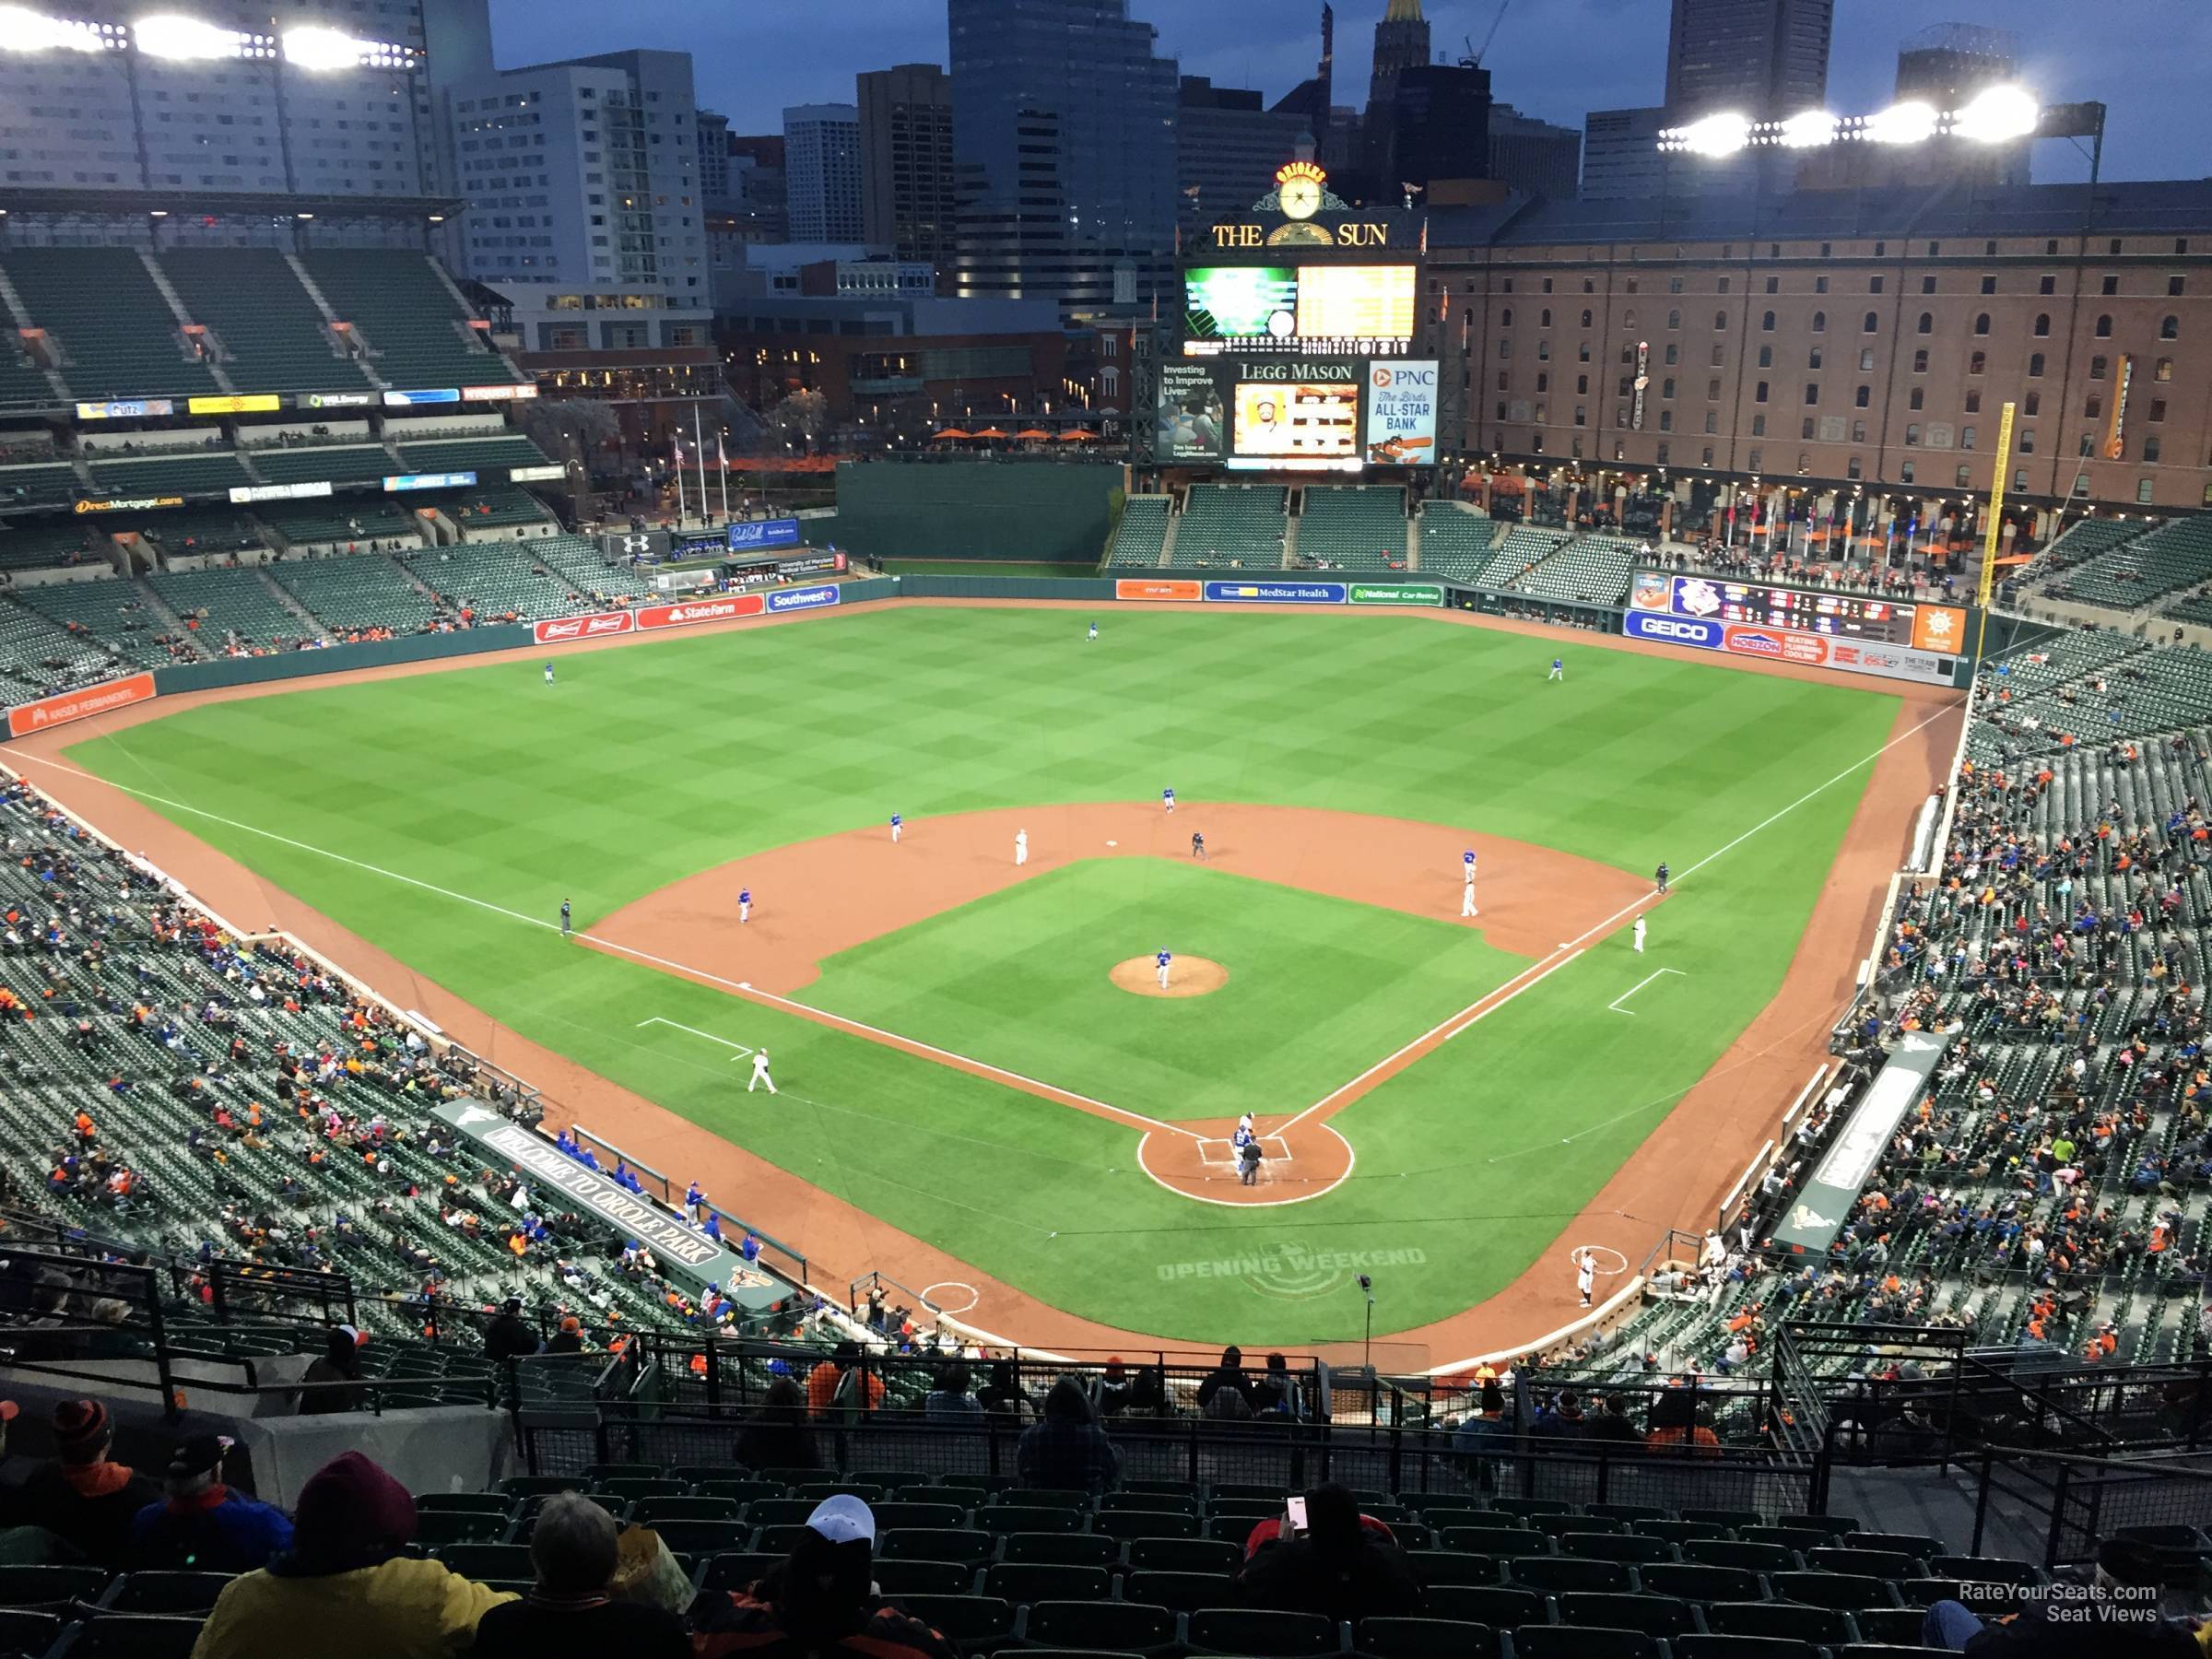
point(1993, 523)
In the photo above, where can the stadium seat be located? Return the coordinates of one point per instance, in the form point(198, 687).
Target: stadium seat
point(1183, 1555)
point(1557, 1642)
point(1733, 1519)
point(1824, 1627)
point(742, 1491)
point(1835, 1527)
point(1262, 1633)
point(741, 1568)
point(1401, 1638)
point(436, 1528)
point(497, 1503)
point(1617, 1547)
point(1877, 1563)
point(702, 1538)
point(1561, 1574)
point(1842, 1590)
point(50, 1586)
point(938, 1544)
point(923, 1578)
point(164, 1592)
point(136, 1635)
point(652, 1512)
point(1031, 1520)
point(1121, 1627)
point(1178, 1503)
point(974, 1621)
point(1503, 1608)
point(1715, 1646)
point(1061, 1550)
point(1987, 1570)
point(1694, 1583)
point(1452, 1567)
point(1144, 1524)
point(487, 1560)
point(1730, 1552)
point(28, 1633)
point(1184, 1592)
point(1046, 1581)
point(1653, 1615)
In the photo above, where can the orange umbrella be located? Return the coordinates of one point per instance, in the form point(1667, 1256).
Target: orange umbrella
point(1078, 435)
point(950, 432)
point(990, 432)
point(1032, 433)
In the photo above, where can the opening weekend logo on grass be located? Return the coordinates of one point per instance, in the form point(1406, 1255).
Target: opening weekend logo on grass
point(1293, 1269)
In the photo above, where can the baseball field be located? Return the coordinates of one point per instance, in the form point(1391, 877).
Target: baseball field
point(1443, 1097)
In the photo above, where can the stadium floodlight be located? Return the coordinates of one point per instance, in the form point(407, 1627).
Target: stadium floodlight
point(1997, 116)
point(1908, 123)
point(1722, 134)
point(1807, 130)
point(170, 36)
point(22, 30)
point(318, 48)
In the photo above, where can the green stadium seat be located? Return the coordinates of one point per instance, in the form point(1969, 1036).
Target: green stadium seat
point(1121, 1627)
point(1824, 1627)
point(898, 1513)
point(1066, 1549)
point(1031, 1520)
point(136, 1635)
point(1183, 1555)
point(164, 1592)
point(937, 1544)
point(1046, 1581)
point(976, 1622)
point(1144, 1524)
point(1396, 1638)
point(487, 1560)
point(738, 1569)
point(436, 1528)
point(1452, 1567)
point(1694, 1583)
point(26, 1632)
point(50, 1586)
point(1185, 1592)
point(496, 1503)
point(1730, 1552)
point(1561, 1574)
point(925, 1578)
point(1504, 1609)
point(1262, 1633)
point(1844, 1589)
point(1557, 1641)
point(1155, 1503)
point(1617, 1547)
point(1714, 1647)
point(1653, 1615)
point(652, 1512)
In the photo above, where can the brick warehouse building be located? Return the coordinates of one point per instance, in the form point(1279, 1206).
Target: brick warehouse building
point(1843, 338)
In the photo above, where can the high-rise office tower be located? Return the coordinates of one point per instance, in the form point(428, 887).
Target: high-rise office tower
point(821, 160)
point(1063, 135)
point(907, 199)
point(1764, 59)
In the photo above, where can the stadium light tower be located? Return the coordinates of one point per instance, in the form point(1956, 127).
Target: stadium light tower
point(1997, 116)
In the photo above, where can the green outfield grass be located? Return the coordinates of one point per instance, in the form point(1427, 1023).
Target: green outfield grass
point(1319, 987)
point(651, 762)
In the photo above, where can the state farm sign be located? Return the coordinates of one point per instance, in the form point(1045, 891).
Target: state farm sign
point(599, 625)
point(699, 610)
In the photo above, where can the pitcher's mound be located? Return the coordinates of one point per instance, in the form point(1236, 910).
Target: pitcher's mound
point(1187, 976)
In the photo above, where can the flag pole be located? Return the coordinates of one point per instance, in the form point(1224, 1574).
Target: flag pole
point(1990, 529)
point(675, 448)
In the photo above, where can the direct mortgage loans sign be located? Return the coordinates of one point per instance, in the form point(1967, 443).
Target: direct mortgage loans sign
point(1401, 413)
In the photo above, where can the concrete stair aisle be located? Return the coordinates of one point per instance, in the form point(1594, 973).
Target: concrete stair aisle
point(13, 303)
point(176, 309)
point(1413, 541)
point(311, 625)
point(171, 622)
point(1289, 542)
point(1167, 542)
point(330, 316)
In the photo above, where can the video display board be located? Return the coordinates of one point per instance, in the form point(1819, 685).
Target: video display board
point(1225, 302)
point(1297, 425)
point(1922, 627)
point(1308, 310)
point(1193, 419)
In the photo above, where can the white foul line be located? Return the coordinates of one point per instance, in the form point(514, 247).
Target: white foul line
point(656, 1019)
point(741, 987)
point(1566, 952)
point(1640, 984)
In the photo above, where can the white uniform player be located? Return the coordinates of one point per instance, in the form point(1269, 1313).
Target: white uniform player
point(1585, 1275)
point(1160, 961)
point(1021, 846)
point(1639, 935)
point(761, 1075)
point(1466, 887)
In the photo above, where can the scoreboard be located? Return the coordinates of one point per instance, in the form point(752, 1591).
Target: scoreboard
point(1866, 617)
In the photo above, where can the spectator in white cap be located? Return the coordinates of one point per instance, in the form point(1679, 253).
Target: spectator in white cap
point(820, 1599)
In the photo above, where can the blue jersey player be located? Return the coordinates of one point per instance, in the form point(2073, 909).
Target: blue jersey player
point(744, 905)
point(897, 824)
point(549, 674)
point(1161, 961)
point(1167, 799)
point(1094, 634)
point(1559, 670)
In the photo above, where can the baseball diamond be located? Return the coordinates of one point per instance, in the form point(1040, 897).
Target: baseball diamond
point(951, 1057)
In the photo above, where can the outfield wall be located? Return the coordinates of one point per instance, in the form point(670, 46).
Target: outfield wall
point(1031, 511)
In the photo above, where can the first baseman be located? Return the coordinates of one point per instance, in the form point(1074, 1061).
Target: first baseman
point(897, 824)
point(744, 905)
point(761, 1073)
point(1021, 846)
point(1161, 961)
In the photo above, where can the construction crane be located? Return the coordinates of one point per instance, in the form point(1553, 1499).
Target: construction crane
point(1474, 53)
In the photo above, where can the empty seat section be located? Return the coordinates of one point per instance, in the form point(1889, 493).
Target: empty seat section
point(356, 591)
point(338, 464)
point(188, 472)
point(1233, 524)
point(272, 334)
point(1142, 534)
point(1352, 529)
point(117, 335)
point(219, 602)
point(416, 335)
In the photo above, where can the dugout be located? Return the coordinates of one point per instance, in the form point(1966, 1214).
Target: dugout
point(1034, 511)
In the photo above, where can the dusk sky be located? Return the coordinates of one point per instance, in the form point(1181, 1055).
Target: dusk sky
point(1552, 58)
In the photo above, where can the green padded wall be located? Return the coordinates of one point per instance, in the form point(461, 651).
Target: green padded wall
point(1035, 511)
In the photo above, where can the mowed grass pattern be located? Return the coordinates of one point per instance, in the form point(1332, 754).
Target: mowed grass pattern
point(1315, 983)
point(647, 763)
